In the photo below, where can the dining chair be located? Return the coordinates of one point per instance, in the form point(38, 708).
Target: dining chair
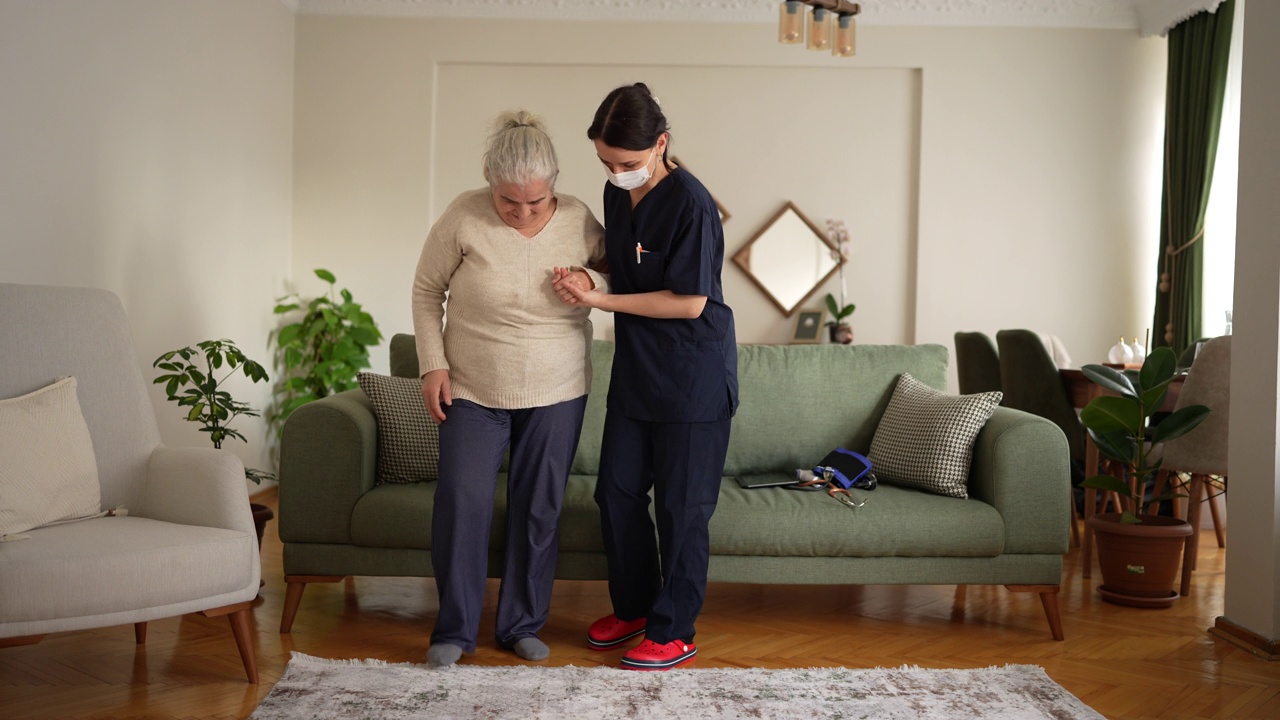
point(1031, 383)
point(977, 363)
point(1202, 453)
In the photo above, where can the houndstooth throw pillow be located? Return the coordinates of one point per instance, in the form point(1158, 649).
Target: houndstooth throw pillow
point(408, 439)
point(925, 438)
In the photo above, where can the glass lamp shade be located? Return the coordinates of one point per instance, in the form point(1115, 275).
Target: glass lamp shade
point(791, 22)
point(820, 29)
point(845, 43)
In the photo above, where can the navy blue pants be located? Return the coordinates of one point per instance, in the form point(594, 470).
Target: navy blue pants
point(662, 578)
point(473, 439)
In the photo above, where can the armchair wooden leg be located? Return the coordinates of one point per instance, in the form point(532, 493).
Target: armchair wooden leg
point(140, 633)
point(295, 585)
point(1193, 540)
point(1212, 498)
point(1049, 600)
point(239, 614)
point(19, 641)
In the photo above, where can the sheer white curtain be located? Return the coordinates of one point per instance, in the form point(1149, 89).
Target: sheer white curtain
point(1220, 218)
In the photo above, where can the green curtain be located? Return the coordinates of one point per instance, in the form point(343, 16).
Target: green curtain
point(1199, 49)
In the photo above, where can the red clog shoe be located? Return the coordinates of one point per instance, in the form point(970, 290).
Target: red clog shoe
point(610, 632)
point(649, 655)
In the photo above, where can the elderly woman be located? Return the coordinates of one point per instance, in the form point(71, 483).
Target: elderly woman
point(510, 369)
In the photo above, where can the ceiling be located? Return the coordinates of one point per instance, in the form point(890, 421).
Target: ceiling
point(1148, 16)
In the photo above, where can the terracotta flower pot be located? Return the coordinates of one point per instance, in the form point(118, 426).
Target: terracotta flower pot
point(1139, 562)
point(261, 514)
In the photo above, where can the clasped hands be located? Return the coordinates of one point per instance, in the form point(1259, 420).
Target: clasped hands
point(574, 287)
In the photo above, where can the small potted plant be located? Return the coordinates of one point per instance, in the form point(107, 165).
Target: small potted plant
point(840, 331)
point(191, 380)
point(1138, 552)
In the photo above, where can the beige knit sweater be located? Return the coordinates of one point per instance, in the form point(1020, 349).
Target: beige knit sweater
point(508, 342)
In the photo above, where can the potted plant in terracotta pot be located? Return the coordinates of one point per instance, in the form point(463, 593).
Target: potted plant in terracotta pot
point(191, 379)
point(1138, 552)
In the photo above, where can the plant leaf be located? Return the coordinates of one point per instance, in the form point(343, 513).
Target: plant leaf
point(326, 276)
point(1109, 413)
point(1181, 422)
point(1110, 379)
point(1116, 445)
point(1157, 368)
point(1107, 483)
point(831, 305)
point(282, 309)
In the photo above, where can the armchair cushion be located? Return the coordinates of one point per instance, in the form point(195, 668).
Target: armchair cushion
point(408, 438)
point(116, 564)
point(925, 438)
point(49, 474)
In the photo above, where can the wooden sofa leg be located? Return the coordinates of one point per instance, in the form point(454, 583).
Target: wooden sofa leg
point(238, 614)
point(1049, 599)
point(295, 584)
point(140, 633)
point(19, 641)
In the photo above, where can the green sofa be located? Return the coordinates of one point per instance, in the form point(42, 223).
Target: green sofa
point(797, 403)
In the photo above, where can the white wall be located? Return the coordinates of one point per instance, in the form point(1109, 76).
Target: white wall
point(990, 178)
point(147, 149)
point(1252, 597)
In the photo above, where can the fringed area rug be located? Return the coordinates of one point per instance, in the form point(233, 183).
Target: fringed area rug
point(318, 688)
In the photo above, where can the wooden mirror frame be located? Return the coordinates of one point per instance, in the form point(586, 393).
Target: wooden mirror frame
point(743, 258)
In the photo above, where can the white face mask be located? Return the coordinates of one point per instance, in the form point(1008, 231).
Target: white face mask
point(631, 179)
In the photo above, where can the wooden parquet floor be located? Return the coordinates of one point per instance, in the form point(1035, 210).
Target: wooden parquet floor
point(1125, 663)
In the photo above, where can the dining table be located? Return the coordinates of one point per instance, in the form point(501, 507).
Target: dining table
point(1081, 390)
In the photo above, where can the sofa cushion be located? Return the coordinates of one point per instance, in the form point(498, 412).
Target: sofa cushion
point(117, 564)
point(49, 473)
point(925, 438)
point(895, 522)
point(798, 402)
point(399, 516)
point(408, 439)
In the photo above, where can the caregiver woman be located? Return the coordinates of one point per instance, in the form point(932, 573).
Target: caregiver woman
point(674, 385)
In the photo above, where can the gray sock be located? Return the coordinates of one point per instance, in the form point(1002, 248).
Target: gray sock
point(531, 648)
point(443, 654)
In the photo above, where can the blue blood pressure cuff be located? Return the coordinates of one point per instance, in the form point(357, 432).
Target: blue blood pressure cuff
point(847, 469)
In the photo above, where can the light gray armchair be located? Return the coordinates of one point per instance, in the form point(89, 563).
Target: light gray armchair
point(187, 543)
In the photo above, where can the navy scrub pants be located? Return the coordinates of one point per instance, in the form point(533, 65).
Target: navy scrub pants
point(473, 439)
point(663, 579)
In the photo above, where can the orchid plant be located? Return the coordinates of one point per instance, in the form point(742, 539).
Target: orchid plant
point(840, 251)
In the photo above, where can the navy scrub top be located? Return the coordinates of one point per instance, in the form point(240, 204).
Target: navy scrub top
point(670, 370)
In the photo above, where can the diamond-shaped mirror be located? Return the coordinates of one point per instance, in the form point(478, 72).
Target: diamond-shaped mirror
point(788, 259)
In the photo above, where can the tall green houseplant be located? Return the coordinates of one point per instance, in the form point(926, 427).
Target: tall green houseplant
point(321, 353)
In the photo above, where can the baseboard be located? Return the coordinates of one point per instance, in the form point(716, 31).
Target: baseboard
point(1267, 649)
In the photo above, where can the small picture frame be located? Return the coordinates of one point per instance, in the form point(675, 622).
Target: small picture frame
point(808, 327)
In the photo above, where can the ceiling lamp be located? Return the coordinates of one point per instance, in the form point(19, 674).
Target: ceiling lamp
point(829, 25)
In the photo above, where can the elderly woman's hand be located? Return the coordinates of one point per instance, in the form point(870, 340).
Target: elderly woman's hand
point(565, 280)
point(436, 393)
